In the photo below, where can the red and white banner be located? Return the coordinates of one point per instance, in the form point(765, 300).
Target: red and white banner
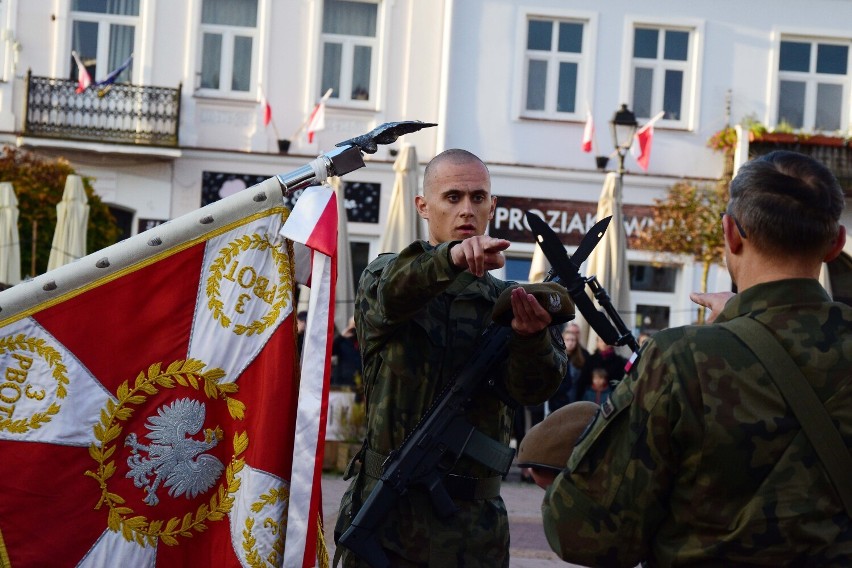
point(316, 122)
point(644, 138)
point(588, 133)
point(151, 399)
point(84, 80)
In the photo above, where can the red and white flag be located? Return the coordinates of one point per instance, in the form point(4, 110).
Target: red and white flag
point(316, 122)
point(83, 78)
point(588, 133)
point(644, 138)
point(152, 398)
point(267, 112)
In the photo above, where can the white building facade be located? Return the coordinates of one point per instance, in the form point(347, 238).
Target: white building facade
point(512, 81)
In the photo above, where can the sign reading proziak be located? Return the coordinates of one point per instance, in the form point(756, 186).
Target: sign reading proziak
point(569, 219)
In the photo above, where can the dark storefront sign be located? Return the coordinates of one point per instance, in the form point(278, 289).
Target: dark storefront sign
point(570, 219)
point(361, 198)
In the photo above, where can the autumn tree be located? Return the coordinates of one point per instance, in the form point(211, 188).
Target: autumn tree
point(39, 183)
point(687, 221)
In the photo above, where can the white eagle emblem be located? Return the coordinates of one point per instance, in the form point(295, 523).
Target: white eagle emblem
point(175, 459)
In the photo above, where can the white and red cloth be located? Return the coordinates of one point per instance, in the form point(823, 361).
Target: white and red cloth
point(84, 80)
point(152, 407)
point(588, 133)
point(644, 138)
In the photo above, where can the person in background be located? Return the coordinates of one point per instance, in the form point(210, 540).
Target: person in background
point(698, 458)
point(301, 323)
point(419, 316)
point(345, 349)
point(605, 357)
point(567, 391)
point(600, 388)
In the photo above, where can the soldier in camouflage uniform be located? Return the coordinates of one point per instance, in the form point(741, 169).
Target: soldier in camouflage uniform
point(419, 316)
point(698, 460)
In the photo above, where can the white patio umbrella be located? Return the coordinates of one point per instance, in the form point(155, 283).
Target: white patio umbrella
point(404, 225)
point(10, 245)
point(609, 259)
point(539, 265)
point(72, 219)
point(344, 293)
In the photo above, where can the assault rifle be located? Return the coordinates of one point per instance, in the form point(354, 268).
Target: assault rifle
point(444, 434)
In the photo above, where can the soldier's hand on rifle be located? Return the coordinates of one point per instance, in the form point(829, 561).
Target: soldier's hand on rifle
point(529, 316)
point(479, 254)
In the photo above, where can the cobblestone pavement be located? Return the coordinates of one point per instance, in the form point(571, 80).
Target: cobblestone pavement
point(529, 548)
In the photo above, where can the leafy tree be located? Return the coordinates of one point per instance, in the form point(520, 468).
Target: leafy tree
point(39, 183)
point(687, 221)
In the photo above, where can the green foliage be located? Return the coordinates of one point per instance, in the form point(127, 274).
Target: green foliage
point(724, 140)
point(687, 222)
point(39, 183)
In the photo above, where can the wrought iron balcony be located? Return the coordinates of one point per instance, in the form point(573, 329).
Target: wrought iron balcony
point(122, 113)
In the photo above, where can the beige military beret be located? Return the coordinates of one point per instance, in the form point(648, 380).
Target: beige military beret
point(550, 442)
point(553, 297)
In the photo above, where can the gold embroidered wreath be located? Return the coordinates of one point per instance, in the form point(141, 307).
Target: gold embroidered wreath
point(53, 358)
point(252, 555)
point(220, 264)
point(138, 528)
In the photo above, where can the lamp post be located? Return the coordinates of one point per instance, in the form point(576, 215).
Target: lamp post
point(623, 125)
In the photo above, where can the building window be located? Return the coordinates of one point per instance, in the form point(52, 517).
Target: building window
point(103, 33)
point(662, 73)
point(650, 278)
point(348, 50)
point(554, 68)
point(813, 84)
point(228, 46)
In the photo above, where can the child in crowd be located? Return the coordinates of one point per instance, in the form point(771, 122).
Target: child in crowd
point(600, 388)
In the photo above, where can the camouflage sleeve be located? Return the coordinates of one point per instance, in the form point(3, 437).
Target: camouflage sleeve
point(414, 277)
point(537, 365)
point(605, 507)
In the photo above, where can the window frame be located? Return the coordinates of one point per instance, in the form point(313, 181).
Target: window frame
point(229, 33)
point(104, 21)
point(811, 79)
point(691, 86)
point(585, 65)
point(348, 44)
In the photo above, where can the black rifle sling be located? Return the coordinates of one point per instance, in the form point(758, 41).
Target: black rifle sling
point(800, 396)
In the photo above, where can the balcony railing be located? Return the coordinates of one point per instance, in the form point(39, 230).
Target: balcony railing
point(123, 113)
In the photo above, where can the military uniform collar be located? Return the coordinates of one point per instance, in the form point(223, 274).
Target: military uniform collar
point(798, 291)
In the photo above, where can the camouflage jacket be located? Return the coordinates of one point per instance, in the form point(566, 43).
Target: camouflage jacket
point(699, 461)
point(418, 319)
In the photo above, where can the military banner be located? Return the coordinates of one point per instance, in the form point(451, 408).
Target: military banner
point(150, 392)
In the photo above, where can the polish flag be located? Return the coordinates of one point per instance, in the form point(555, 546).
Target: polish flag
point(644, 137)
point(267, 111)
point(178, 343)
point(588, 133)
point(83, 78)
point(317, 120)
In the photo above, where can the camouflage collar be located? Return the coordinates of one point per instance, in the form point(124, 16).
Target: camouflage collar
point(760, 297)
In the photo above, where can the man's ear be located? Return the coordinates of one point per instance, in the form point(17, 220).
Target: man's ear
point(493, 208)
point(732, 235)
point(837, 246)
point(421, 205)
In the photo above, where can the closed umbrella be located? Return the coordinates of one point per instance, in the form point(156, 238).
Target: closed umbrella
point(539, 265)
point(609, 259)
point(10, 245)
point(72, 219)
point(404, 225)
point(344, 293)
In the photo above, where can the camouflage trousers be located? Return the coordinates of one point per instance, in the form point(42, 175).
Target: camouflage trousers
point(477, 535)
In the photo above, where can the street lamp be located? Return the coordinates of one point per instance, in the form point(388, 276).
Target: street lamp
point(624, 127)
